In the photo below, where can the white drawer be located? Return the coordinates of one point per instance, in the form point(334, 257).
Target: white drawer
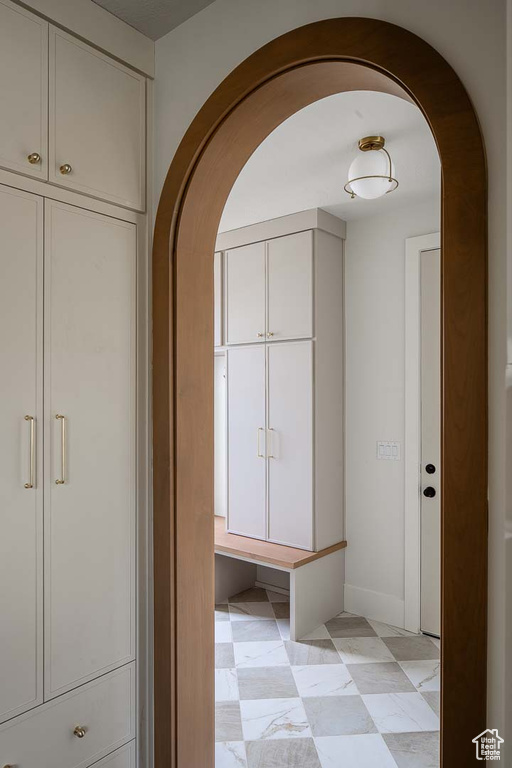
point(45, 738)
point(121, 758)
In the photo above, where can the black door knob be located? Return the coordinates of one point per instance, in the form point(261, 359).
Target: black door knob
point(429, 492)
point(430, 469)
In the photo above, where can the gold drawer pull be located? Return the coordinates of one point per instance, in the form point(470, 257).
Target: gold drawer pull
point(80, 731)
point(31, 482)
point(65, 169)
point(62, 479)
point(34, 158)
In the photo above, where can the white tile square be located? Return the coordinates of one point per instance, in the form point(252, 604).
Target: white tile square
point(269, 653)
point(367, 750)
point(274, 719)
point(401, 712)
point(424, 675)
point(362, 650)
point(223, 632)
point(324, 680)
point(284, 628)
point(250, 611)
point(226, 685)
point(230, 754)
point(320, 633)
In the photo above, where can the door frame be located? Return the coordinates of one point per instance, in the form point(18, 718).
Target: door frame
point(414, 246)
point(287, 74)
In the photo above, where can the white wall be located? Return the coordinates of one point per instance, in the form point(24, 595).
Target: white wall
point(193, 59)
point(375, 376)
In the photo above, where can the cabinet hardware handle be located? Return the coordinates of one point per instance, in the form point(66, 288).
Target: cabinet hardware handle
point(260, 335)
point(34, 158)
point(80, 731)
point(258, 452)
point(62, 479)
point(31, 482)
point(8, 766)
point(270, 334)
point(429, 492)
point(270, 455)
point(65, 169)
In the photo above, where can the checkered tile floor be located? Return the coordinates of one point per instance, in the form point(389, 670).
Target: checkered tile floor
point(353, 694)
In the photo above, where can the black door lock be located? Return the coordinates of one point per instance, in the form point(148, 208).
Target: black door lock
point(430, 469)
point(429, 492)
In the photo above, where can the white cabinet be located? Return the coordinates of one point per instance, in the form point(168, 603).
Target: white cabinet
point(23, 91)
point(290, 287)
point(21, 486)
point(90, 450)
point(97, 123)
point(245, 293)
point(217, 299)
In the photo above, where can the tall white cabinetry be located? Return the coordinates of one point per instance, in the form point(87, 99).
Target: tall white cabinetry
point(284, 329)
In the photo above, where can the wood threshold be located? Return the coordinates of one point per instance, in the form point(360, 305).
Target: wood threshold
point(266, 551)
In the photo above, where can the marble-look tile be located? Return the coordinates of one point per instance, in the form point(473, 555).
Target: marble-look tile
point(414, 750)
point(416, 648)
point(254, 631)
point(338, 715)
point(284, 628)
point(436, 641)
point(324, 680)
point(362, 650)
point(282, 753)
point(267, 683)
point(264, 654)
point(230, 754)
point(277, 597)
point(251, 611)
point(424, 675)
point(274, 719)
point(381, 677)
point(311, 652)
point(226, 685)
point(320, 633)
point(386, 630)
point(401, 712)
point(228, 724)
point(224, 656)
point(350, 626)
point(433, 698)
point(223, 632)
point(253, 595)
point(366, 750)
point(281, 610)
point(222, 612)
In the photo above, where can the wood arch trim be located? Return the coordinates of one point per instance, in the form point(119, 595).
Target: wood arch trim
point(285, 75)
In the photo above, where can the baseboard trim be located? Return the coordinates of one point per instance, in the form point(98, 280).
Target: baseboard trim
point(375, 605)
point(272, 588)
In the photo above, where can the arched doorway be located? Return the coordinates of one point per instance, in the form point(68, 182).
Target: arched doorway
point(289, 73)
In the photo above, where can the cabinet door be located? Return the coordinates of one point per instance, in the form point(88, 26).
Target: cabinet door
point(97, 123)
point(21, 508)
point(290, 287)
point(245, 294)
point(217, 299)
point(290, 443)
point(246, 441)
point(23, 90)
point(90, 452)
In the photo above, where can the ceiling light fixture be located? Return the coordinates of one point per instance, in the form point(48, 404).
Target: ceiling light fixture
point(371, 174)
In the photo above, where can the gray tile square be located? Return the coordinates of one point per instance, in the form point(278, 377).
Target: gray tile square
point(311, 652)
point(228, 722)
point(222, 612)
point(338, 715)
point(414, 750)
point(281, 610)
point(267, 683)
point(282, 753)
point(433, 699)
point(254, 631)
point(382, 677)
point(253, 595)
point(224, 656)
point(411, 648)
point(350, 626)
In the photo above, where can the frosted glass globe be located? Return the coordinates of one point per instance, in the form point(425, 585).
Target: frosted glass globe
point(372, 163)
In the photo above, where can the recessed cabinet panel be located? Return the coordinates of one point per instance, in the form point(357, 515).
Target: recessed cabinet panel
point(217, 299)
point(90, 448)
point(246, 440)
point(290, 443)
point(290, 287)
point(23, 91)
point(245, 294)
point(97, 123)
point(21, 507)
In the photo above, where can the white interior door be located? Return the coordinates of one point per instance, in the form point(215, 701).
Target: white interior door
point(24, 89)
point(290, 443)
point(290, 287)
point(21, 508)
point(217, 299)
point(245, 293)
point(430, 281)
point(90, 467)
point(246, 441)
point(220, 446)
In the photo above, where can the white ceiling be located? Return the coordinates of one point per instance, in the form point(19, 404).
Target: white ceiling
point(154, 18)
point(304, 162)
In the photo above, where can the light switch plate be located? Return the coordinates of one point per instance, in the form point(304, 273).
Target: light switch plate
point(388, 450)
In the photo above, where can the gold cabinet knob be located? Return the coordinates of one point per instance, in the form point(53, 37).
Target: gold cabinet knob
point(270, 334)
point(34, 158)
point(80, 731)
point(65, 169)
point(260, 335)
